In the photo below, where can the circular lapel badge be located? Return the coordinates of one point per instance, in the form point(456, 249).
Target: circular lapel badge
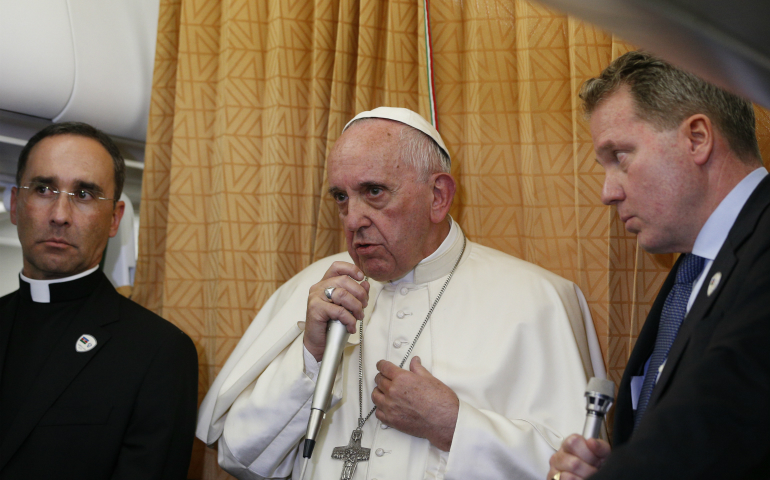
point(85, 343)
point(714, 283)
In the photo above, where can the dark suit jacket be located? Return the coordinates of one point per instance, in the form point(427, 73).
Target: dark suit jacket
point(709, 415)
point(123, 410)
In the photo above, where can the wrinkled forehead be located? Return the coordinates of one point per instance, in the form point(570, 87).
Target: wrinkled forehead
point(368, 155)
point(372, 130)
point(373, 141)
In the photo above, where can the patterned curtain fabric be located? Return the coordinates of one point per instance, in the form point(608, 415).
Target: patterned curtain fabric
point(248, 97)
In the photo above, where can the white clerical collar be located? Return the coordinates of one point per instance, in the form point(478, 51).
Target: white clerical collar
point(39, 289)
point(446, 245)
point(714, 232)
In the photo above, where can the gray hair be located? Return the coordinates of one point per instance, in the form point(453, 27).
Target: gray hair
point(665, 96)
point(417, 150)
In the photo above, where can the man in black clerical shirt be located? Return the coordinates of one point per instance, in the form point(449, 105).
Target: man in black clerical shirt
point(92, 386)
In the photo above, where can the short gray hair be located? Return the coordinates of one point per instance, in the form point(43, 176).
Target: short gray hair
point(417, 150)
point(665, 96)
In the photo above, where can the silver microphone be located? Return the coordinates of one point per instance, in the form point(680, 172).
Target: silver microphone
point(600, 395)
point(336, 339)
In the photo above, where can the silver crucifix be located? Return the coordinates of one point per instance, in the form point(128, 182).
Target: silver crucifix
point(351, 454)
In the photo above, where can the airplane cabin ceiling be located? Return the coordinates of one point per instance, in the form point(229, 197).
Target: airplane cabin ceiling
point(728, 43)
point(84, 60)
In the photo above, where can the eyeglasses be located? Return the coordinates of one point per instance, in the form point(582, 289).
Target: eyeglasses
point(42, 195)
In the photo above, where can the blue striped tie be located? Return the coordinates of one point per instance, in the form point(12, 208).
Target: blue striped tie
point(674, 310)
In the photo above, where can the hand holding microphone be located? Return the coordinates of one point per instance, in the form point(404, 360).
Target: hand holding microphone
point(334, 306)
point(345, 303)
point(582, 456)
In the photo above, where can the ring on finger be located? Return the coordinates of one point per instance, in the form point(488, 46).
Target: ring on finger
point(329, 291)
point(557, 476)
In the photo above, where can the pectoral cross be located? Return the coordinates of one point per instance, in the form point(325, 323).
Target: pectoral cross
point(351, 454)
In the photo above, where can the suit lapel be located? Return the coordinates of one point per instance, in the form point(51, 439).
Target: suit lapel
point(63, 365)
point(724, 264)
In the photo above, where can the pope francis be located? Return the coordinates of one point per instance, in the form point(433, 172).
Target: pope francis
point(463, 362)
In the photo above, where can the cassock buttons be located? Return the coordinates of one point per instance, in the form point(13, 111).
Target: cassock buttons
point(85, 343)
point(714, 283)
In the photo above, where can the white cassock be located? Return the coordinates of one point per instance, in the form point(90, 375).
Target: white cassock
point(514, 341)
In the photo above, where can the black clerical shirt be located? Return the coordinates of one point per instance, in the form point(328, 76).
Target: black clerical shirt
point(27, 338)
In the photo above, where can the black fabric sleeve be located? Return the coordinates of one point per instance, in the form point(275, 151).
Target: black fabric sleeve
point(159, 438)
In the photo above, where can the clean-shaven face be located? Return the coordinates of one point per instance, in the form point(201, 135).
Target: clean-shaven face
point(385, 210)
point(647, 176)
point(59, 239)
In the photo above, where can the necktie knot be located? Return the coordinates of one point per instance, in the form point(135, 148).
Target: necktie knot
point(691, 267)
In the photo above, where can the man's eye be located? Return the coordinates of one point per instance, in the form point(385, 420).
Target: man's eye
point(43, 190)
point(339, 197)
point(84, 195)
point(375, 191)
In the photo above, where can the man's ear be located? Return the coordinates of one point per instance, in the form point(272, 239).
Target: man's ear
point(699, 134)
point(444, 187)
point(117, 214)
point(14, 199)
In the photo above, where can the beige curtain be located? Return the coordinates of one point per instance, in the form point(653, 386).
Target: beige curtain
point(248, 97)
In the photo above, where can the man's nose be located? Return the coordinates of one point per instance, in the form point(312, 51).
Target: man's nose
point(357, 215)
point(61, 209)
point(612, 191)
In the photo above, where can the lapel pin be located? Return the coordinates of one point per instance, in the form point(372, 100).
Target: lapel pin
point(85, 343)
point(714, 283)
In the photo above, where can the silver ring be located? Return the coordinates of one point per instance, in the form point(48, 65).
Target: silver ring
point(328, 291)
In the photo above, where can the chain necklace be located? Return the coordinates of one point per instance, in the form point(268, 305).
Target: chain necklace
point(353, 452)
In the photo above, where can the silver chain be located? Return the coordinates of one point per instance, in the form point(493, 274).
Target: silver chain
point(361, 419)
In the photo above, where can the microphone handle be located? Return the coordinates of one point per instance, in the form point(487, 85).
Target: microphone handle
point(336, 339)
point(593, 425)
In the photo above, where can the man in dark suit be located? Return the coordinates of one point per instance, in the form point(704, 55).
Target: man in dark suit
point(683, 169)
point(92, 386)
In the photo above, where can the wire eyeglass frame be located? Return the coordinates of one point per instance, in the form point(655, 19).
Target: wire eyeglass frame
point(48, 194)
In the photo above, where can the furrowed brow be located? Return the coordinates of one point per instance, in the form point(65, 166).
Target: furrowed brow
point(606, 147)
point(44, 180)
point(81, 185)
